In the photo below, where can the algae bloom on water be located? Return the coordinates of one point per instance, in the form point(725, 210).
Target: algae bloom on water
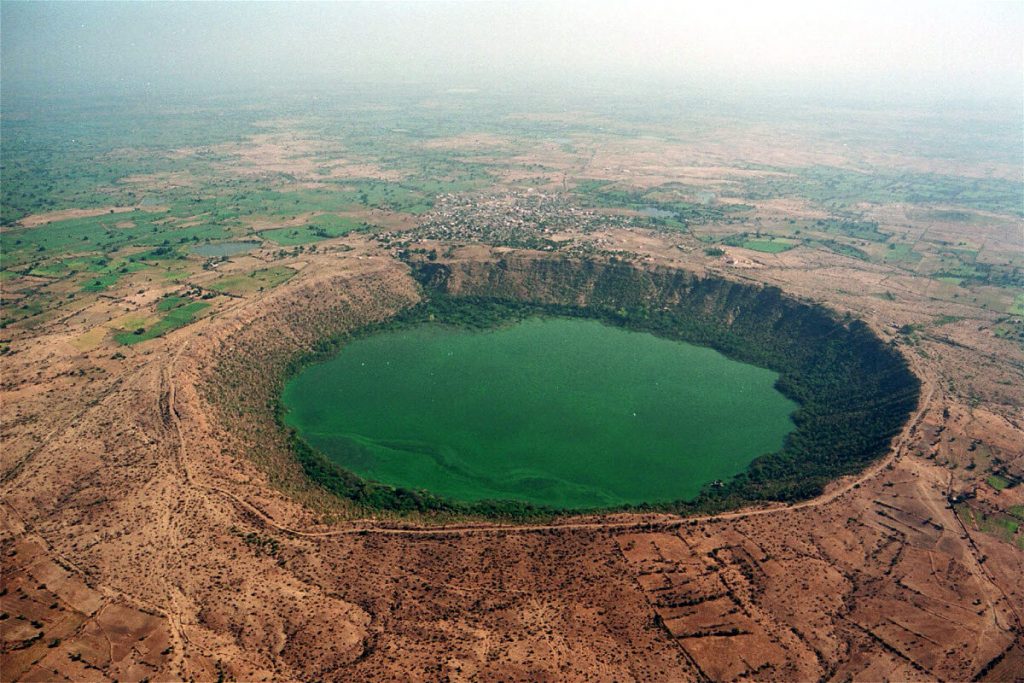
point(562, 412)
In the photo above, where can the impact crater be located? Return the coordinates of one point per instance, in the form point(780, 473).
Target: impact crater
point(430, 435)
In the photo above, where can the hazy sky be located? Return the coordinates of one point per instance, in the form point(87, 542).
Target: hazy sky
point(951, 49)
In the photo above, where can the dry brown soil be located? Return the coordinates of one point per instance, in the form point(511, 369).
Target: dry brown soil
point(144, 535)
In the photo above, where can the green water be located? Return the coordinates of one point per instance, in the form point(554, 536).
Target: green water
point(553, 411)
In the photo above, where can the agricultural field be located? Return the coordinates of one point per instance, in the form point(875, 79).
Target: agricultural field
point(175, 313)
point(256, 281)
point(322, 227)
point(770, 245)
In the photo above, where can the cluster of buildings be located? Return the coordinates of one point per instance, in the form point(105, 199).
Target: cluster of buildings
point(526, 219)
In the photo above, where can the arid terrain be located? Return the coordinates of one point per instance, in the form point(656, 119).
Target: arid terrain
point(155, 526)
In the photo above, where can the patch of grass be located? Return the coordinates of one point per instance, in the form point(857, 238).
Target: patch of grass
point(863, 230)
point(131, 322)
point(664, 206)
point(962, 254)
point(320, 228)
point(289, 237)
point(334, 226)
point(1002, 526)
point(98, 234)
point(265, 278)
point(844, 249)
point(985, 274)
point(176, 274)
point(175, 318)
point(109, 275)
point(997, 482)
point(962, 271)
point(1017, 308)
point(369, 193)
point(170, 302)
point(55, 269)
point(901, 251)
point(769, 246)
point(75, 235)
point(840, 188)
point(161, 253)
point(98, 284)
point(91, 339)
point(24, 309)
point(956, 216)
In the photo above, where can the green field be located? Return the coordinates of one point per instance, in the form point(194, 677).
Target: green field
point(1001, 525)
point(900, 251)
point(997, 482)
point(224, 249)
point(321, 228)
point(99, 234)
point(558, 412)
point(177, 315)
point(290, 237)
point(842, 188)
point(845, 249)
point(668, 206)
point(863, 230)
point(769, 246)
point(264, 278)
point(108, 276)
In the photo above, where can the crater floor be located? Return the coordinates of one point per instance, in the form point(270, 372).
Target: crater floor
point(558, 412)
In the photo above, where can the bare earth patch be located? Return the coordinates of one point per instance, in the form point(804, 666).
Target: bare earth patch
point(38, 219)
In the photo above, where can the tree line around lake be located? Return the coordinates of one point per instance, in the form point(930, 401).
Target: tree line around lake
point(854, 391)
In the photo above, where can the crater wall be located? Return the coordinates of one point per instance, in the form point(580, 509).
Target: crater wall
point(855, 392)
